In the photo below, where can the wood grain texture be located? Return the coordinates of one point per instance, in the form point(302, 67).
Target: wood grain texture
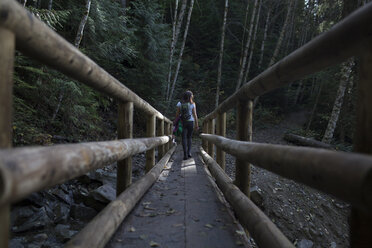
point(361, 220)
point(27, 170)
point(125, 131)
point(36, 39)
point(243, 133)
point(99, 231)
point(150, 132)
point(321, 169)
point(221, 130)
point(7, 44)
point(263, 231)
point(342, 41)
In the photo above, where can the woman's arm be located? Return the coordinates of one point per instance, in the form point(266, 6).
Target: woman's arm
point(195, 117)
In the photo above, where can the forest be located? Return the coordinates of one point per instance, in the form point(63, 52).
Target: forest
point(159, 49)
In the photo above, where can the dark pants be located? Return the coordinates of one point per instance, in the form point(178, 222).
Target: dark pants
point(188, 127)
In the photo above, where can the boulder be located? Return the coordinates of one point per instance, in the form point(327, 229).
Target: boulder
point(256, 197)
point(83, 213)
point(16, 243)
point(38, 220)
point(20, 214)
point(61, 213)
point(105, 194)
point(305, 243)
point(63, 233)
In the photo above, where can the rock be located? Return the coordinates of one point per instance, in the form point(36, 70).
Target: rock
point(20, 215)
point(61, 213)
point(256, 197)
point(82, 213)
point(305, 243)
point(63, 233)
point(80, 195)
point(105, 194)
point(37, 221)
point(35, 199)
point(61, 195)
point(41, 237)
point(333, 245)
point(103, 176)
point(16, 243)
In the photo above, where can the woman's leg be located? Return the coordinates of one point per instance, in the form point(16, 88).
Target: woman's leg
point(190, 129)
point(184, 141)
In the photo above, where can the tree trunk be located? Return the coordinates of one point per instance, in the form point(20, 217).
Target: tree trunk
point(244, 31)
point(24, 3)
point(50, 4)
point(314, 108)
point(346, 76)
point(83, 21)
point(181, 52)
point(78, 38)
point(264, 39)
point(252, 45)
point(176, 28)
point(281, 36)
point(247, 44)
point(221, 52)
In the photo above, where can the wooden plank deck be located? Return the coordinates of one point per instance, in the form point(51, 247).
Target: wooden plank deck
point(182, 209)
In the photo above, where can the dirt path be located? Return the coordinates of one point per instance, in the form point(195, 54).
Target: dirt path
point(307, 217)
point(182, 209)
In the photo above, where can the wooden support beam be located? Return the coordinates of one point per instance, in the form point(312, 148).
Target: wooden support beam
point(150, 132)
point(361, 221)
point(7, 45)
point(243, 133)
point(221, 131)
point(160, 132)
point(321, 169)
point(206, 130)
point(211, 131)
point(263, 231)
point(27, 170)
point(168, 132)
point(110, 218)
point(125, 131)
point(37, 40)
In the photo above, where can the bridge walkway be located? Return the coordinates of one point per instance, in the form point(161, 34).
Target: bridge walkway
point(183, 208)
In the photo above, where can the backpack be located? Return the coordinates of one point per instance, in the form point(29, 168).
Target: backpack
point(185, 113)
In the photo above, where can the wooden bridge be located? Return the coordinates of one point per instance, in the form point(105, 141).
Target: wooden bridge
point(347, 176)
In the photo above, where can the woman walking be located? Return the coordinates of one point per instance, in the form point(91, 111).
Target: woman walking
point(186, 112)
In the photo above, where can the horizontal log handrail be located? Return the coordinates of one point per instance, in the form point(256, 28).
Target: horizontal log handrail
point(263, 231)
point(344, 40)
point(99, 230)
point(36, 39)
point(347, 176)
point(27, 170)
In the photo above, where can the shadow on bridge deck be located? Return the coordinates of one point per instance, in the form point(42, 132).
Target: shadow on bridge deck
point(182, 209)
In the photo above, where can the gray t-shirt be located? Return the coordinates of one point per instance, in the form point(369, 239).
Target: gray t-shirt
point(192, 106)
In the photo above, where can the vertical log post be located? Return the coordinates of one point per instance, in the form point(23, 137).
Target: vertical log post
point(206, 130)
point(244, 133)
point(210, 144)
point(161, 133)
point(7, 44)
point(150, 132)
point(361, 221)
point(221, 130)
point(125, 131)
point(167, 132)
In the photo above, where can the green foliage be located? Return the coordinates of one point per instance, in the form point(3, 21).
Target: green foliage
point(53, 18)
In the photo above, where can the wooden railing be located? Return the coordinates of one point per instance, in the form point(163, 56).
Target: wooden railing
point(30, 169)
point(347, 176)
